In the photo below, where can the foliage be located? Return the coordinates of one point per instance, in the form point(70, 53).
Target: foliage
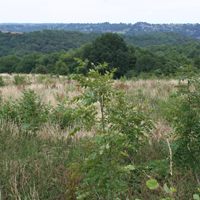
point(112, 49)
point(33, 112)
point(50, 166)
point(161, 60)
point(44, 42)
point(29, 112)
point(41, 69)
point(120, 127)
point(21, 80)
point(61, 68)
point(41, 39)
point(9, 63)
point(28, 63)
point(40, 78)
point(61, 115)
point(2, 82)
point(186, 119)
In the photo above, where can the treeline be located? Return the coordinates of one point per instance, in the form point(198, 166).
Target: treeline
point(50, 41)
point(192, 30)
point(45, 42)
point(129, 60)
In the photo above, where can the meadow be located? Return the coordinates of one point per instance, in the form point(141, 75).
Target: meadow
point(47, 138)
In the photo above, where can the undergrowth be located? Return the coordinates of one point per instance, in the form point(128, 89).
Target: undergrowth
point(121, 160)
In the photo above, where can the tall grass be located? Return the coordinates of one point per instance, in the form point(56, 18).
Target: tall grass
point(40, 167)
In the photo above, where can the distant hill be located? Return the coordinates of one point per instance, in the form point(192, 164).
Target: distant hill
point(192, 30)
point(49, 41)
point(166, 38)
point(44, 42)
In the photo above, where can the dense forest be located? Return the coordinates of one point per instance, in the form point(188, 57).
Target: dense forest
point(50, 41)
point(137, 28)
point(130, 60)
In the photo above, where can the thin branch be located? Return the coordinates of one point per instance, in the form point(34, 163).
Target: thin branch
point(171, 161)
point(97, 193)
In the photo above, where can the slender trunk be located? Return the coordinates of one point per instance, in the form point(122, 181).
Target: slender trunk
point(102, 114)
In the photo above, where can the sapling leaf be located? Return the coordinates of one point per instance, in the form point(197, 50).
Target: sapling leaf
point(131, 167)
point(196, 196)
point(172, 190)
point(124, 154)
point(102, 147)
point(152, 184)
point(107, 146)
point(26, 126)
point(101, 152)
point(166, 188)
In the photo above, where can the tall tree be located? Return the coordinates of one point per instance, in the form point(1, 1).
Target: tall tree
point(111, 48)
point(9, 63)
point(28, 63)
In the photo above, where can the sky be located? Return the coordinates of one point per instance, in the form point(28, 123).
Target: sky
point(98, 11)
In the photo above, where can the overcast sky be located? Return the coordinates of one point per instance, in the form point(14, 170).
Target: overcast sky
point(97, 11)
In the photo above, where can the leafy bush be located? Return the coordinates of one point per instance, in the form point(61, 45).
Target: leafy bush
point(61, 115)
point(2, 83)
point(21, 80)
point(41, 70)
point(9, 111)
point(29, 112)
point(184, 112)
point(48, 81)
point(40, 78)
point(33, 112)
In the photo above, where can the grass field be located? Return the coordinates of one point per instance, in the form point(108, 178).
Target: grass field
point(40, 167)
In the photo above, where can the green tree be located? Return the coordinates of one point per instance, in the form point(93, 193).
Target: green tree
point(111, 48)
point(52, 59)
point(145, 63)
point(28, 63)
point(183, 111)
point(118, 126)
point(9, 63)
point(197, 62)
point(41, 69)
point(61, 68)
point(68, 60)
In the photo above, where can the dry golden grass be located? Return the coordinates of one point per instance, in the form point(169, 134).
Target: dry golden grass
point(58, 89)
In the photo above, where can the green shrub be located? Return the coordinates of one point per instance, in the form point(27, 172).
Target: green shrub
point(29, 112)
point(10, 111)
point(41, 70)
point(130, 74)
point(41, 78)
point(33, 112)
point(61, 115)
point(48, 81)
point(123, 78)
point(20, 80)
point(2, 83)
point(184, 112)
